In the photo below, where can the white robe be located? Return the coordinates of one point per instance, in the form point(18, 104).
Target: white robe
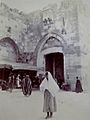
point(49, 88)
point(50, 85)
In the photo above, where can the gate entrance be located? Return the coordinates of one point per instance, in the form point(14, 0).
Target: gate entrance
point(55, 65)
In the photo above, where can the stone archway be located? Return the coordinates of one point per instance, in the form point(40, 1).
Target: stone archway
point(44, 39)
point(50, 44)
point(8, 49)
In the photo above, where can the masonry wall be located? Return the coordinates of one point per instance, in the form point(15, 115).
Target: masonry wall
point(27, 33)
point(84, 32)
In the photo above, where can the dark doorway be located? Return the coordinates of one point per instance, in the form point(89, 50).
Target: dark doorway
point(55, 64)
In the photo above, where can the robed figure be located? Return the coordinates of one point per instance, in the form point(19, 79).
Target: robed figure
point(78, 87)
point(49, 88)
point(26, 86)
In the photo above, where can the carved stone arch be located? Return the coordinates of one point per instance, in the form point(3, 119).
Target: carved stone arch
point(12, 43)
point(50, 56)
point(44, 39)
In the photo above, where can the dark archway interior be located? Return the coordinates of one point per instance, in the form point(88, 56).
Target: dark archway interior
point(4, 73)
point(55, 64)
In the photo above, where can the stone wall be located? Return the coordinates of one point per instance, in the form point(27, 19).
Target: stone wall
point(28, 31)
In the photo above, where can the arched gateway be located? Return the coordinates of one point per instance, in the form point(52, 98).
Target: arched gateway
point(50, 55)
point(8, 54)
point(9, 50)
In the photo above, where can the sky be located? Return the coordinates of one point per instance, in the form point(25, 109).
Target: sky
point(28, 6)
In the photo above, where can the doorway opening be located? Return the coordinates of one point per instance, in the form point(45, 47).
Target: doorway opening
point(54, 63)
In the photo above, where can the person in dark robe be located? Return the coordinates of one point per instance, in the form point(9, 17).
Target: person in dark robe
point(26, 86)
point(78, 87)
point(10, 82)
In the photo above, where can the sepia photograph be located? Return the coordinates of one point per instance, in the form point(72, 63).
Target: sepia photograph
point(44, 59)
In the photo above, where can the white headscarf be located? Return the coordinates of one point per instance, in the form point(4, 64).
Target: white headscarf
point(50, 85)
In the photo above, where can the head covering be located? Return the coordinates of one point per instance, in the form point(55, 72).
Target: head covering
point(50, 85)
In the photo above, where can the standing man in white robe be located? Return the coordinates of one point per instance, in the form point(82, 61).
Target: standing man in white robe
point(50, 88)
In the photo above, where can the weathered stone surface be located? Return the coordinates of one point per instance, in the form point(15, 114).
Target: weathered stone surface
point(55, 28)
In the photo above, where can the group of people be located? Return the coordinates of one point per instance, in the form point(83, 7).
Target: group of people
point(14, 81)
point(24, 83)
point(48, 87)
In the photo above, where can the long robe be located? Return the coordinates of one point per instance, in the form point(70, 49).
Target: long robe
point(50, 89)
point(49, 102)
point(78, 87)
